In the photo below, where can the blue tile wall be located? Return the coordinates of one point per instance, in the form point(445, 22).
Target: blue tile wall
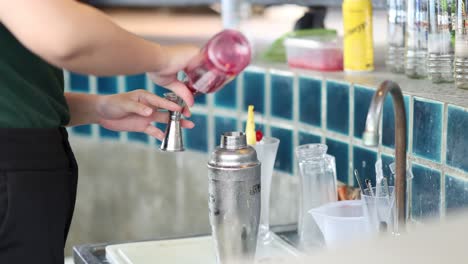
point(364, 162)
point(160, 91)
point(135, 82)
point(197, 137)
point(338, 107)
point(107, 85)
point(310, 101)
point(139, 137)
point(428, 117)
point(79, 83)
point(284, 157)
point(254, 91)
point(84, 130)
point(227, 97)
point(200, 99)
point(388, 122)
point(308, 138)
point(427, 129)
point(106, 133)
point(223, 124)
point(426, 192)
point(282, 96)
point(362, 99)
point(340, 151)
point(456, 194)
point(162, 126)
point(457, 138)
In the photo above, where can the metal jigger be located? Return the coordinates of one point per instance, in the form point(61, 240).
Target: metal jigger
point(173, 139)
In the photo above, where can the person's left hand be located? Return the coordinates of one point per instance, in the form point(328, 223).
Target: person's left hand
point(136, 111)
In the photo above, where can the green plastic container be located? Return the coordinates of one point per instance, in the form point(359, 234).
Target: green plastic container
point(277, 52)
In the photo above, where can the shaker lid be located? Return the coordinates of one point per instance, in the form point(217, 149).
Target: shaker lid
point(234, 152)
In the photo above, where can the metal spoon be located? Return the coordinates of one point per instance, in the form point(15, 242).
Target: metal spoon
point(356, 174)
point(369, 186)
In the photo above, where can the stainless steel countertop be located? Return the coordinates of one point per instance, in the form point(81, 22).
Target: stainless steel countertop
point(96, 253)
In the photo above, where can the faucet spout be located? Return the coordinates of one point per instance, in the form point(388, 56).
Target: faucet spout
point(371, 138)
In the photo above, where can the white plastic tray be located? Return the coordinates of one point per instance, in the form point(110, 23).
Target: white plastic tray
point(189, 251)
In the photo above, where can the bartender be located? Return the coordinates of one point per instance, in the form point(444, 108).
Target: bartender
point(38, 172)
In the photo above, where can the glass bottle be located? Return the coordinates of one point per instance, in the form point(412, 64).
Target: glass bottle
point(461, 45)
point(317, 179)
point(441, 41)
point(396, 28)
point(358, 42)
point(223, 57)
point(416, 38)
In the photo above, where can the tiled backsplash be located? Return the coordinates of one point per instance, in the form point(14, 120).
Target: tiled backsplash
point(300, 108)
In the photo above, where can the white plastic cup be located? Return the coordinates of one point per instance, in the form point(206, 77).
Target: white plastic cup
point(341, 222)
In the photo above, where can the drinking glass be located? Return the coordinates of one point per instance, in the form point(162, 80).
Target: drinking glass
point(317, 179)
point(266, 154)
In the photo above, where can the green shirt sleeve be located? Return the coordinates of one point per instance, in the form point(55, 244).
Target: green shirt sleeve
point(31, 90)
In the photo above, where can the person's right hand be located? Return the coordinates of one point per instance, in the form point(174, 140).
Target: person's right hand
point(176, 59)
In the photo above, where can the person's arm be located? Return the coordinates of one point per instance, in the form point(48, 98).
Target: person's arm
point(133, 111)
point(82, 39)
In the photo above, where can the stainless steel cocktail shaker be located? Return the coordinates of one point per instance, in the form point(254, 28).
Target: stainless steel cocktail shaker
point(234, 199)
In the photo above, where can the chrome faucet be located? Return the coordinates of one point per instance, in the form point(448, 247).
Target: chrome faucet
point(371, 138)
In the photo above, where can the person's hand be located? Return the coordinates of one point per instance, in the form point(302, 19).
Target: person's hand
point(136, 111)
point(176, 59)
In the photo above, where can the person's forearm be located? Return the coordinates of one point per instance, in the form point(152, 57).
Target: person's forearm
point(83, 108)
point(79, 38)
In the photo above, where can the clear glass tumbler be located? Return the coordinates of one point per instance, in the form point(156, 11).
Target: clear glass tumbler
point(380, 209)
point(266, 154)
point(317, 172)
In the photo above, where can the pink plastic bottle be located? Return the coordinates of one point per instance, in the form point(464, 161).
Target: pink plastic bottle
point(220, 60)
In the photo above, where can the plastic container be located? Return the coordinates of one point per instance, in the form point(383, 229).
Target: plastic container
point(318, 53)
point(341, 222)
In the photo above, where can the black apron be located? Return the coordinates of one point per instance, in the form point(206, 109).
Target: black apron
point(38, 180)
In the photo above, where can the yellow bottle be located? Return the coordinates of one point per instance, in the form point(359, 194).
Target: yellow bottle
point(358, 46)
